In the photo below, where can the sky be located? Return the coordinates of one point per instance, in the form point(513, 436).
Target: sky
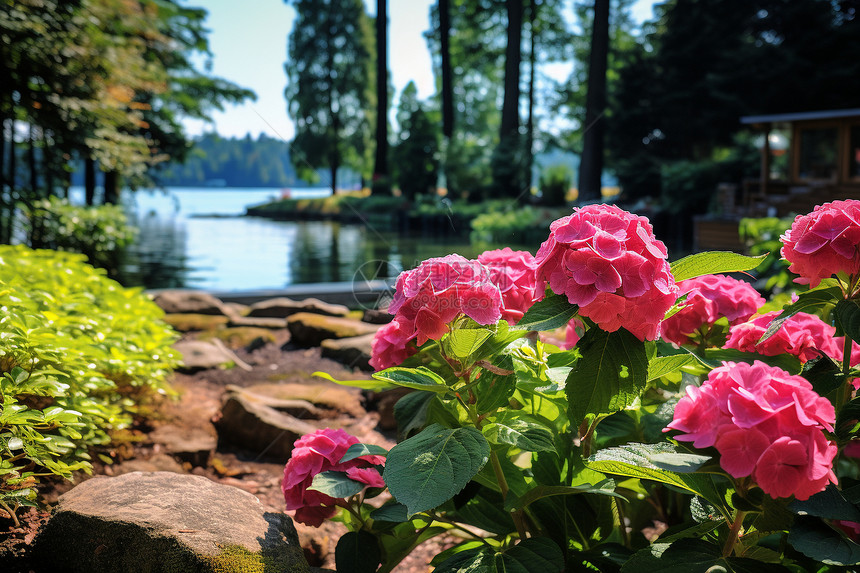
point(248, 41)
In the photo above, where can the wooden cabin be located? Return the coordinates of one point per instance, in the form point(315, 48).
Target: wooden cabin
point(807, 158)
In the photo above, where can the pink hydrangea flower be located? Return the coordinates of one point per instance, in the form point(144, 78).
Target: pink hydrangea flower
point(709, 298)
point(392, 344)
point(514, 273)
point(765, 423)
point(803, 335)
point(320, 452)
point(433, 294)
point(608, 262)
point(824, 242)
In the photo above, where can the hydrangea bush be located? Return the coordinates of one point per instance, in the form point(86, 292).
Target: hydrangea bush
point(596, 408)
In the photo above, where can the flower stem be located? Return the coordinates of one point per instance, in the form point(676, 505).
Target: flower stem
point(500, 475)
point(845, 392)
point(734, 532)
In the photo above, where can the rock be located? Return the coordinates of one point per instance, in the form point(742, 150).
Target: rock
point(196, 322)
point(164, 522)
point(301, 409)
point(202, 355)
point(248, 422)
point(155, 463)
point(190, 302)
point(283, 307)
point(321, 394)
point(374, 316)
point(237, 337)
point(257, 322)
point(354, 351)
point(188, 444)
point(308, 329)
point(384, 403)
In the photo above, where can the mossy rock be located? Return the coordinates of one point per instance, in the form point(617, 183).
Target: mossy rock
point(308, 329)
point(236, 337)
point(196, 322)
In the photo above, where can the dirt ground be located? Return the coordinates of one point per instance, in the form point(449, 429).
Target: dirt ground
point(198, 404)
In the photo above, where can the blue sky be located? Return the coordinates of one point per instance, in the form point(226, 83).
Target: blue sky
point(249, 44)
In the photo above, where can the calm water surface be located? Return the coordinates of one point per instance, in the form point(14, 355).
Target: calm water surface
point(197, 238)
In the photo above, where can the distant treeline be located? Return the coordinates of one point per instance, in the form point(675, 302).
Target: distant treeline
point(233, 162)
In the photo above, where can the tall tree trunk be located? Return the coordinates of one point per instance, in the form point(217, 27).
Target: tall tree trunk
point(333, 175)
point(530, 122)
point(31, 162)
point(380, 168)
point(89, 181)
point(511, 103)
point(5, 197)
point(111, 180)
point(591, 163)
point(447, 76)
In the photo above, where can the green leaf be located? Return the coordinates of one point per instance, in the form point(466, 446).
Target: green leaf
point(357, 552)
point(420, 378)
point(372, 385)
point(606, 487)
point(610, 376)
point(716, 356)
point(847, 313)
point(809, 302)
point(848, 420)
point(635, 460)
point(824, 375)
point(534, 555)
point(521, 431)
point(663, 365)
point(464, 342)
point(713, 262)
point(829, 504)
point(554, 311)
point(390, 512)
point(411, 412)
point(818, 541)
point(429, 468)
point(693, 556)
point(335, 484)
point(358, 450)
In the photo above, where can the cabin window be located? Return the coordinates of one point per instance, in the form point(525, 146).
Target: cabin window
point(817, 153)
point(854, 152)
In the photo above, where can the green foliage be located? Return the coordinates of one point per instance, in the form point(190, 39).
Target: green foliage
point(416, 154)
point(97, 232)
point(514, 225)
point(761, 235)
point(555, 182)
point(81, 357)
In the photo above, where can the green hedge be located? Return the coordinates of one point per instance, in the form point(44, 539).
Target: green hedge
point(80, 356)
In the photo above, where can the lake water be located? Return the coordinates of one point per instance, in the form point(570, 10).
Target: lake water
point(190, 237)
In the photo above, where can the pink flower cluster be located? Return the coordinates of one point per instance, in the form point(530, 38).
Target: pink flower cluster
point(321, 452)
point(765, 423)
point(514, 273)
point(824, 242)
point(608, 262)
point(709, 298)
point(803, 335)
point(427, 298)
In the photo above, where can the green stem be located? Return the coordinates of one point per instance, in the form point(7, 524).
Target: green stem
point(500, 475)
point(619, 515)
point(11, 513)
point(388, 566)
point(734, 532)
point(845, 392)
point(456, 525)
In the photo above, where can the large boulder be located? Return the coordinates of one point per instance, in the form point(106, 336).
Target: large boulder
point(307, 329)
point(283, 307)
point(354, 351)
point(162, 522)
point(190, 302)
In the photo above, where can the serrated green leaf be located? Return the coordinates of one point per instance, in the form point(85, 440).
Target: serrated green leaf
point(554, 311)
point(713, 262)
point(420, 378)
point(817, 540)
point(335, 484)
point(693, 555)
point(390, 512)
point(848, 420)
point(716, 356)
point(610, 376)
point(357, 552)
point(663, 365)
point(464, 342)
point(847, 314)
point(358, 450)
point(521, 431)
point(429, 468)
point(372, 384)
point(829, 504)
point(411, 412)
point(809, 302)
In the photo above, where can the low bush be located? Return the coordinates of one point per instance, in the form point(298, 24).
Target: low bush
point(80, 357)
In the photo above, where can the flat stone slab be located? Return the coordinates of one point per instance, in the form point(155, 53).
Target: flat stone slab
point(307, 329)
point(201, 355)
point(354, 351)
point(324, 395)
point(189, 302)
point(161, 522)
point(283, 307)
point(247, 421)
point(258, 322)
point(191, 322)
point(187, 444)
